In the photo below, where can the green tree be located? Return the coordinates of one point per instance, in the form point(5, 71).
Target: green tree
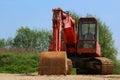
point(43, 40)
point(9, 43)
point(23, 38)
point(33, 39)
point(2, 43)
point(106, 41)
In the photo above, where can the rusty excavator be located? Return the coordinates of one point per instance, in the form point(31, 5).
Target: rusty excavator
point(71, 48)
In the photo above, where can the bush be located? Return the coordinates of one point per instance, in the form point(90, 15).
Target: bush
point(18, 63)
point(117, 67)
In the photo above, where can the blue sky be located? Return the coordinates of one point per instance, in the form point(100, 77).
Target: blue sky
point(38, 14)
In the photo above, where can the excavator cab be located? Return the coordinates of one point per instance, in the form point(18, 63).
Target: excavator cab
point(87, 37)
point(88, 50)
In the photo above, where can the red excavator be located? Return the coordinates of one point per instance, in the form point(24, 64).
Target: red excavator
point(71, 48)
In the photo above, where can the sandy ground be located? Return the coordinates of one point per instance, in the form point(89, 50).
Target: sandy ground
point(57, 77)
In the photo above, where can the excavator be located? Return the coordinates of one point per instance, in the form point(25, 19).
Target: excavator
point(74, 48)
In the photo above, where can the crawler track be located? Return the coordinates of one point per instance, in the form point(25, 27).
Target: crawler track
point(101, 65)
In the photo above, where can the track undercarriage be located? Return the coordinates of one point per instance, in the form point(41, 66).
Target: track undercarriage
point(97, 65)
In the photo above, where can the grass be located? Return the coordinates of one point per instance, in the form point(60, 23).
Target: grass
point(73, 71)
point(18, 63)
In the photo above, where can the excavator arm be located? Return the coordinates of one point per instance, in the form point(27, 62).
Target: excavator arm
point(64, 34)
point(64, 30)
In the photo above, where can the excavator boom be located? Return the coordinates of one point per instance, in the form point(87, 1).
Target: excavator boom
point(55, 62)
